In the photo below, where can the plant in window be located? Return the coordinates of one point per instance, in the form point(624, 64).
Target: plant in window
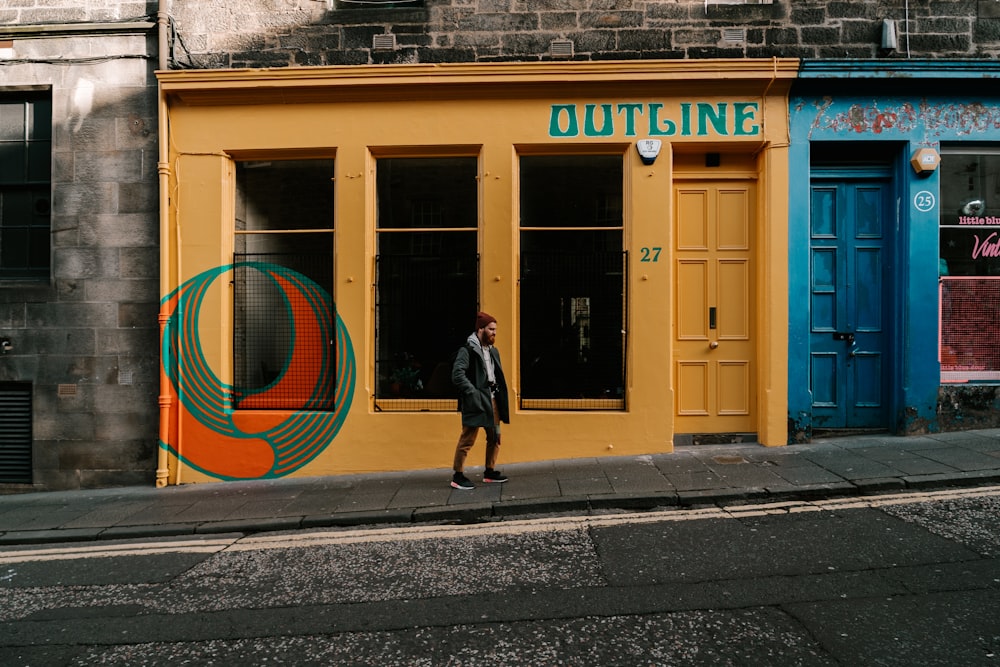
point(406, 376)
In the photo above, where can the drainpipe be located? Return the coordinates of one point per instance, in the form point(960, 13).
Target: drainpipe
point(163, 170)
point(162, 26)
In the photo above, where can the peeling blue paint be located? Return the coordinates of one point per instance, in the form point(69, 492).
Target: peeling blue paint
point(929, 119)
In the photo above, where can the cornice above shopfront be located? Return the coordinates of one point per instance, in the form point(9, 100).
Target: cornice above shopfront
point(481, 80)
point(900, 69)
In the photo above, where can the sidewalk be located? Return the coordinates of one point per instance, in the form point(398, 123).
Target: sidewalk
point(694, 475)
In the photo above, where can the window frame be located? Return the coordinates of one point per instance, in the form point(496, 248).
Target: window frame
point(326, 391)
point(621, 152)
point(39, 191)
point(384, 369)
point(954, 289)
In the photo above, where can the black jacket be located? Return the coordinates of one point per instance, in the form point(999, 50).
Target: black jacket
point(468, 373)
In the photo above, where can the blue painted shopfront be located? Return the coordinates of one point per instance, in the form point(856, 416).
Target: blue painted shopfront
point(866, 267)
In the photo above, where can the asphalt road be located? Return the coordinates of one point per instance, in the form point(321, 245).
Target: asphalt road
point(888, 580)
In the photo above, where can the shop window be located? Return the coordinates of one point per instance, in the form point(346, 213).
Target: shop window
point(25, 184)
point(572, 282)
point(283, 311)
point(427, 277)
point(970, 264)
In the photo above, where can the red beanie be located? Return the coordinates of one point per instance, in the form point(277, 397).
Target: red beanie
point(483, 319)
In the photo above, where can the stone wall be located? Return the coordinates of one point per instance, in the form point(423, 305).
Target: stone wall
point(271, 33)
point(86, 339)
point(964, 407)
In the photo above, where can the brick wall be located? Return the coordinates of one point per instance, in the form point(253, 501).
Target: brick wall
point(317, 32)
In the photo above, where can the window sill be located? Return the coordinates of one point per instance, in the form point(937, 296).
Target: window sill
point(578, 404)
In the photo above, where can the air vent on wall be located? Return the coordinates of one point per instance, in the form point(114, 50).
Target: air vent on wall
point(384, 42)
point(561, 48)
point(15, 433)
point(734, 35)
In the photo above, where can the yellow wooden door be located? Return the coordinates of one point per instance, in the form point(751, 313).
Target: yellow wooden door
point(714, 294)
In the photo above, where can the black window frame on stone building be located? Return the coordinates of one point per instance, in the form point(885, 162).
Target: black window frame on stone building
point(573, 282)
point(426, 275)
point(25, 184)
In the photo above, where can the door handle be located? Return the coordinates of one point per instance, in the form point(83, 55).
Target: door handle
point(711, 317)
point(848, 337)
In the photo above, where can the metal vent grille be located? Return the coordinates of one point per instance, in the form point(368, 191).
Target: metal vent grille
point(734, 35)
point(561, 48)
point(15, 433)
point(384, 42)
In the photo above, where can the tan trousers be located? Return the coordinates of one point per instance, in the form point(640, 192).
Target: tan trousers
point(468, 439)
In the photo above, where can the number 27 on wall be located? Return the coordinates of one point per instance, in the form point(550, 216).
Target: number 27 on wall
point(649, 254)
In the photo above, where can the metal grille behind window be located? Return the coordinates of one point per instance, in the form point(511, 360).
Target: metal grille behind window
point(572, 284)
point(15, 433)
point(573, 314)
point(426, 277)
point(284, 356)
point(423, 317)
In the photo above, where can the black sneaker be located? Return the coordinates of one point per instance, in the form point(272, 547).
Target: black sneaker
point(494, 476)
point(460, 481)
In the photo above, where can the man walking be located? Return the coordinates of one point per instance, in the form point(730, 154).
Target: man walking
point(482, 399)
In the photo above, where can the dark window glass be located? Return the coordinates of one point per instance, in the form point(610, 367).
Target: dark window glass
point(25, 184)
point(572, 282)
point(970, 264)
point(427, 271)
point(284, 316)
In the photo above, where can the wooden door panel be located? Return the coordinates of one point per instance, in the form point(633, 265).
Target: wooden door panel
point(733, 314)
point(734, 220)
point(734, 387)
point(692, 301)
point(849, 223)
point(714, 354)
point(694, 234)
point(692, 388)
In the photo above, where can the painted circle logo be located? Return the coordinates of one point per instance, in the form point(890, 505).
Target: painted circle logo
point(207, 434)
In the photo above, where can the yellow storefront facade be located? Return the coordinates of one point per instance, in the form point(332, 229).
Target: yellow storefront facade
point(328, 235)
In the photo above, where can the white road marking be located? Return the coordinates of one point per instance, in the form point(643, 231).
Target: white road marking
point(98, 550)
point(515, 527)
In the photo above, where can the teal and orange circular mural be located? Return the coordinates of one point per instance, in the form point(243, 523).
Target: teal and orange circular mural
point(213, 438)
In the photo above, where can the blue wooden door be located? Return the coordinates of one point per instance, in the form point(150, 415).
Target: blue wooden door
point(850, 293)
